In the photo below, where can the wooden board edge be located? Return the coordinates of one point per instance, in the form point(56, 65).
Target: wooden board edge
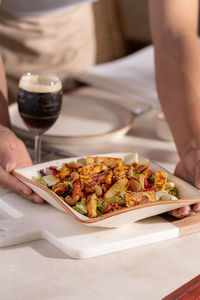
point(187, 225)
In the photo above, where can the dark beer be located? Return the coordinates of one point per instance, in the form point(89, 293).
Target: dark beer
point(39, 101)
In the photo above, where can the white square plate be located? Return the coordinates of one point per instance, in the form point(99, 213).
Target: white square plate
point(188, 195)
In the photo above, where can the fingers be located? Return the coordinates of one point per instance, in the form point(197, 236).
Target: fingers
point(12, 163)
point(181, 212)
point(196, 207)
point(13, 154)
point(185, 211)
point(182, 172)
point(188, 169)
point(19, 159)
point(8, 181)
point(33, 198)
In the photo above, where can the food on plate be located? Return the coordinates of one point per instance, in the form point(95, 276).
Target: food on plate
point(99, 185)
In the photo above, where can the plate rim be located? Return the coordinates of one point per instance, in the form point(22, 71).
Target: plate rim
point(88, 220)
point(108, 133)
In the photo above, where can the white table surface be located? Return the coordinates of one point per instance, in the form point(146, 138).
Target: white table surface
point(38, 270)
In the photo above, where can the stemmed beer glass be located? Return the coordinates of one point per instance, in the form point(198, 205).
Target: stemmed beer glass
point(39, 104)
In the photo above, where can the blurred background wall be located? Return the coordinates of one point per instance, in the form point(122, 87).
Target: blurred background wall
point(135, 23)
point(121, 27)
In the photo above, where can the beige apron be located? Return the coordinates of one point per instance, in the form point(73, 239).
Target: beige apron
point(62, 43)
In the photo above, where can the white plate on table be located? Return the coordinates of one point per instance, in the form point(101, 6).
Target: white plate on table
point(80, 121)
point(187, 195)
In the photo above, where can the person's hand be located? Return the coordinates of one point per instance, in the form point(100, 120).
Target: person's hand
point(188, 169)
point(13, 154)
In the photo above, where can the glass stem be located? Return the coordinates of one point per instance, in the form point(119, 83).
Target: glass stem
point(37, 149)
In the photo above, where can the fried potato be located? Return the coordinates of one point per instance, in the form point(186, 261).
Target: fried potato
point(59, 188)
point(65, 172)
point(131, 199)
point(119, 186)
point(135, 166)
point(86, 180)
point(140, 178)
point(120, 171)
point(149, 196)
point(108, 161)
point(160, 181)
point(147, 172)
point(140, 169)
point(91, 160)
point(87, 183)
point(135, 198)
point(93, 169)
point(92, 205)
point(106, 177)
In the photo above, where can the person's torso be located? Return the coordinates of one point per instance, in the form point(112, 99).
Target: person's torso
point(38, 7)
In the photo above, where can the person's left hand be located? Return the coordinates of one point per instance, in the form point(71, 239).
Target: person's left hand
point(188, 169)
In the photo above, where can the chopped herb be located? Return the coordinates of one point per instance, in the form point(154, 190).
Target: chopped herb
point(152, 178)
point(68, 183)
point(173, 191)
point(83, 201)
point(100, 206)
point(40, 180)
point(71, 162)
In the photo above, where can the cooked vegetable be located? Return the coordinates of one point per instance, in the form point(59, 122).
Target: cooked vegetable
point(92, 201)
point(108, 161)
point(59, 188)
point(64, 172)
point(135, 198)
point(81, 206)
point(119, 186)
point(50, 179)
point(93, 169)
point(40, 180)
point(160, 181)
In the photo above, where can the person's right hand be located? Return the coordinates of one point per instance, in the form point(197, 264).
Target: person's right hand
point(13, 154)
point(188, 169)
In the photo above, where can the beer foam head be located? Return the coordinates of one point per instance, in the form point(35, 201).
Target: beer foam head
point(40, 83)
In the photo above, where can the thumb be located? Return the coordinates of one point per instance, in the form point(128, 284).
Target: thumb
point(13, 154)
point(7, 160)
point(8, 152)
point(10, 165)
